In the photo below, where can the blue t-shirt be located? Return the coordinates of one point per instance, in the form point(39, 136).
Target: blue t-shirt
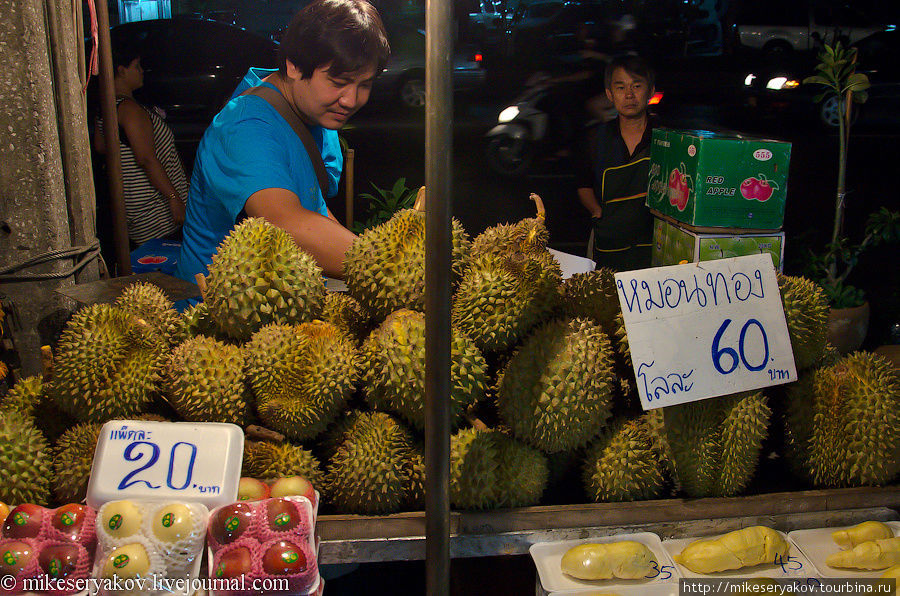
point(247, 148)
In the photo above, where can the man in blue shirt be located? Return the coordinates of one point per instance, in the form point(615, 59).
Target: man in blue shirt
point(251, 163)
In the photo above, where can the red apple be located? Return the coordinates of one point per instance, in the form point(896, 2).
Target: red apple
point(282, 515)
point(15, 557)
point(764, 191)
point(234, 563)
point(68, 519)
point(58, 560)
point(251, 489)
point(750, 188)
point(230, 522)
point(284, 558)
point(24, 521)
point(294, 486)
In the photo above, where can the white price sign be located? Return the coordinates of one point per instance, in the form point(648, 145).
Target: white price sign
point(187, 461)
point(705, 329)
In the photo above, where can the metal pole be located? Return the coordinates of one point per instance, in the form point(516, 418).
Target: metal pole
point(111, 136)
point(438, 169)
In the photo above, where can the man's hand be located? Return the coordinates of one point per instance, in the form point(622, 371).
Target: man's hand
point(589, 200)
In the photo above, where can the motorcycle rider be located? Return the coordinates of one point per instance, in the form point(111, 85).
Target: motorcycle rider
point(612, 182)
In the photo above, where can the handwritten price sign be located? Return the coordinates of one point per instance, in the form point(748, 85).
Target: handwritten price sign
point(161, 460)
point(705, 329)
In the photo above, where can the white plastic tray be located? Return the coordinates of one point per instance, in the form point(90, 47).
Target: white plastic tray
point(795, 564)
point(548, 557)
point(817, 545)
point(646, 590)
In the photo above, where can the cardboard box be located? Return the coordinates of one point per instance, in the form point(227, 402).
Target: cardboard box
point(673, 244)
point(707, 179)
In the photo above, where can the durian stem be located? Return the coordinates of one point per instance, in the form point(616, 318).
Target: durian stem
point(201, 283)
point(260, 433)
point(47, 362)
point(541, 213)
point(420, 201)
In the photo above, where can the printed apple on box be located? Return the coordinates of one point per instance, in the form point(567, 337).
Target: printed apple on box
point(709, 179)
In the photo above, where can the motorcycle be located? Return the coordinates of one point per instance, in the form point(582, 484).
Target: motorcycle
point(533, 127)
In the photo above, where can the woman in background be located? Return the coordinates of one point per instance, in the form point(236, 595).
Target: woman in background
point(153, 177)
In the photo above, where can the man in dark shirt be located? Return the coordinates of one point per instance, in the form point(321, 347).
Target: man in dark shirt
point(612, 185)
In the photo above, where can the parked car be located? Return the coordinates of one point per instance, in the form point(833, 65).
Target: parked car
point(402, 82)
point(778, 91)
point(777, 27)
point(191, 66)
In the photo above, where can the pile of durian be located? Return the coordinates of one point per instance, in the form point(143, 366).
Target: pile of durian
point(541, 381)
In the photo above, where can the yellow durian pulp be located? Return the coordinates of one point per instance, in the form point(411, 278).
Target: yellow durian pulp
point(874, 554)
point(864, 532)
point(625, 560)
point(742, 548)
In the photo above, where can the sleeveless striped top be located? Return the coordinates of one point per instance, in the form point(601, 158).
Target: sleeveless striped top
point(147, 210)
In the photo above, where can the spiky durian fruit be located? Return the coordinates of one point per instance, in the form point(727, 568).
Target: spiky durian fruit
point(844, 422)
point(415, 496)
point(24, 396)
point(27, 472)
point(526, 235)
point(347, 314)
point(474, 461)
point(522, 473)
point(592, 295)
point(73, 456)
point(149, 303)
point(623, 464)
point(196, 320)
point(302, 376)
point(556, 391)
point(107, 364)
point(806, 313)
point(714, 443)
point(501, 298)
point(259, 276)
point(385, 266)
point(205, 381)
point(373, 471)
point(264, 460)
point(620, 339)
point(394, 375)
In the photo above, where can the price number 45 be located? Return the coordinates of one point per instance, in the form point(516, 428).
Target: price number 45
point(732, 358)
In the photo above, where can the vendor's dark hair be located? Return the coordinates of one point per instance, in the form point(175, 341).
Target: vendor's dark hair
point(348, 34)
point(633, 65)
point(123, 54)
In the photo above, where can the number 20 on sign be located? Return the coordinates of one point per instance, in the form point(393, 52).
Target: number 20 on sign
point(705, 329)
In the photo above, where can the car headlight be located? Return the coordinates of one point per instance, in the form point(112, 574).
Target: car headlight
point(779, 83)
point(508, 114)
point(749, 79)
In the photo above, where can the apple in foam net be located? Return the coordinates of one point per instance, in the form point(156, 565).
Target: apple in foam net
point(233, 563)
point(23, 522)
point(15, 557)
point(58, 560)
point(294, 486)
point(251, 489)
point(230, 522)
point(284, 558)
point(68, 519)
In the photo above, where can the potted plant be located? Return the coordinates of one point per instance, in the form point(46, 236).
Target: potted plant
point(848, 321)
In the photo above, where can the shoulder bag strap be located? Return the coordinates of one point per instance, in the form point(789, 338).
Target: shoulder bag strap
point(277, 101)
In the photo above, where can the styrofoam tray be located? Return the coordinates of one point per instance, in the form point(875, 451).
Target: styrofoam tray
point(646, 590)
point(795, 564)
point(548, 556)
point(817, 545)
